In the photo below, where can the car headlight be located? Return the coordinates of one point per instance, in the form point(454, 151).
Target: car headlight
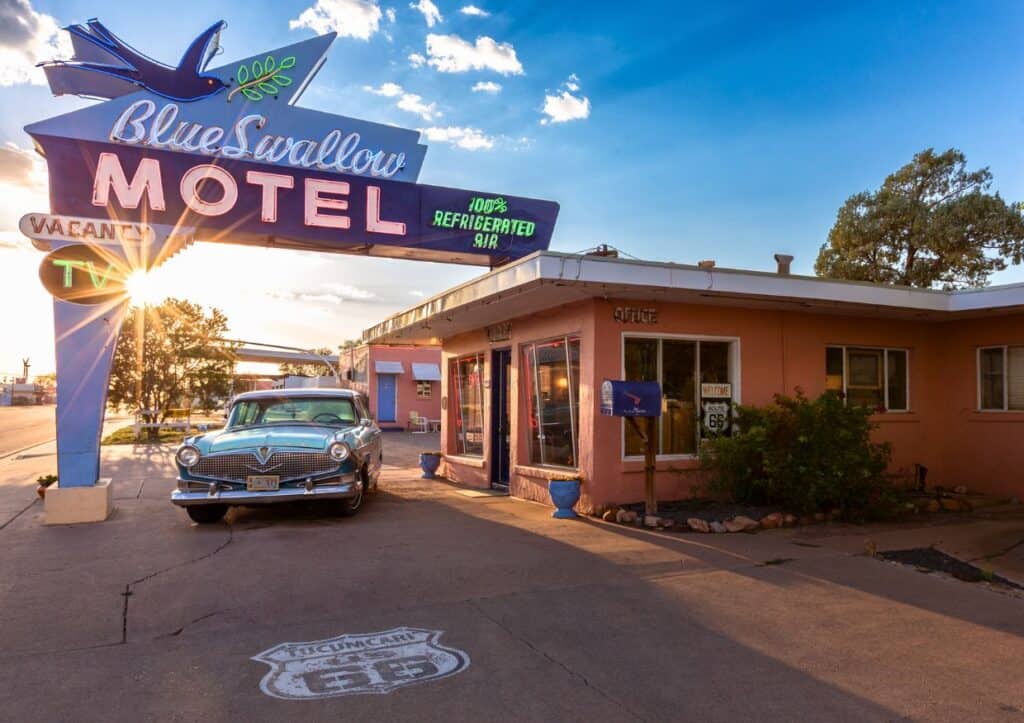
point(187, 456)
point(339, 451)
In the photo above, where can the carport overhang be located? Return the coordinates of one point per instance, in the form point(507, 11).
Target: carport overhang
point(545, 280)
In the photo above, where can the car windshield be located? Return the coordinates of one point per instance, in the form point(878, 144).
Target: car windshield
point(328, 411)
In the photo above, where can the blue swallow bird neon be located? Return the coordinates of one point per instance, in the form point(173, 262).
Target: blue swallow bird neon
point(104, 66)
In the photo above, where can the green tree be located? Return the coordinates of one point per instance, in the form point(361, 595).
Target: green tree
point(931, 223)
point(168, 356)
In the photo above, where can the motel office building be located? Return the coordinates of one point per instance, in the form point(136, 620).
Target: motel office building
point(526, 347)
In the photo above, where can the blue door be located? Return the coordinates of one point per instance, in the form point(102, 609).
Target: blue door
point(386, 391)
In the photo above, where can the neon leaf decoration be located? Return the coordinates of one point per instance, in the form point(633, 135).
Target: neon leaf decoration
point(262, 78)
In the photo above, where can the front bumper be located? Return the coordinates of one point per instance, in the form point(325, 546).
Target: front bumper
point(346, 487)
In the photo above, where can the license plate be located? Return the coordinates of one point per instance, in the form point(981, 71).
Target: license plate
point(262, 482)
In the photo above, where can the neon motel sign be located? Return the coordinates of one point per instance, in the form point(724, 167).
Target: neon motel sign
point(173, 154)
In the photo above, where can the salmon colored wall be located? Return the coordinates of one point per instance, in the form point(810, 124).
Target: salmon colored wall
point(405, 384)
point(778, 352)
point(526, 481)
point(983, 450)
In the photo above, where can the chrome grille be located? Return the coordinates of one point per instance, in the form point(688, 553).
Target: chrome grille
point(287, 465)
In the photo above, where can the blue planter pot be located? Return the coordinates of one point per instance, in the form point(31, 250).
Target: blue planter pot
point(429, 464)
point(565, 494)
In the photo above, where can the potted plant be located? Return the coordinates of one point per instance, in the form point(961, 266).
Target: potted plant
point(565, 493)
point(429, 462)
point(44, 482)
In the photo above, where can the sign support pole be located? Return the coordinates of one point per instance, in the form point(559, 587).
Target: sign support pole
point(650, 458)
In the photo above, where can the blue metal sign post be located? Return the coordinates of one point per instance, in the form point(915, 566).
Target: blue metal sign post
point(634, 400)
point(181, 153)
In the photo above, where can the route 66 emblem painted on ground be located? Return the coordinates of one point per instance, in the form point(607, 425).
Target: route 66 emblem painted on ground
point(358, 663)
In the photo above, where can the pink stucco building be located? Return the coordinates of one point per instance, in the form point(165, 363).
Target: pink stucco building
point(402, 382)
point(527, 346)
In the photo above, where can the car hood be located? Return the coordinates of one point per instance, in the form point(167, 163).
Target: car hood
point(301, 436)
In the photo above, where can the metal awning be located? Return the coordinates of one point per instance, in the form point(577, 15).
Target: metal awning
point(388, 367)
point(426, 372)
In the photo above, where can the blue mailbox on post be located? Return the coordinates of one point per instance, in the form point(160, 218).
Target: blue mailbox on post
point(630, 399)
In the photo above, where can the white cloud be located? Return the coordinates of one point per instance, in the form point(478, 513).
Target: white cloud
point(429, 10)
point(349, 18)
point(417, 293)
point(487, 86)
point(474, 10)
point(564, 106)
point(452, 54)
point(27, 38)
point(327, 293)
point(391, 15)
point(23, 184)
point(414, 104)
point(470, 139)
point(416, 60)
point(388, 90)
point(406, 101)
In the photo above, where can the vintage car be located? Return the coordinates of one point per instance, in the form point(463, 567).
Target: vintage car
point(282, 445)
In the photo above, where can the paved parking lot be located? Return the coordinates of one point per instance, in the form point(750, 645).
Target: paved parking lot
point(148, 617)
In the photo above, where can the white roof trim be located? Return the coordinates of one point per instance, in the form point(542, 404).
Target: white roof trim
point(607, 275)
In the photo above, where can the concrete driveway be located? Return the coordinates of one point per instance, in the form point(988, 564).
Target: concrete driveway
point(148, 617)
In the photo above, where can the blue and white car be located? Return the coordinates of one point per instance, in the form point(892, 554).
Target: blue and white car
point(282, 445)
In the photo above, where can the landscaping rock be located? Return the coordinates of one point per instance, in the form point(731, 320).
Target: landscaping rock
point(770, 522)
point(741, 523)
point(698, 525)
point(835, 514)
point(717, 527)
point(951, 505)
point(625, 517)
point(790, 520)
point(819, 516)
point(610, 514)
point(933, 506)
point(651, 520)
point(806, 520)
point(960, 489)
point(666, 523)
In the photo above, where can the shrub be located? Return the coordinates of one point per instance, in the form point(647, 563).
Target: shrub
point(805, 455)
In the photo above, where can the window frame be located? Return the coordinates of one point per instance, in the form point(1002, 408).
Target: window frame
point(574, 405)
point(1005, 349)
point(735, 375)
point(885, 373)
point(429, 386)
point(456, 409)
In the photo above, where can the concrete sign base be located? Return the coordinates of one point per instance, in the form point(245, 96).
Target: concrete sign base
point(73, 505)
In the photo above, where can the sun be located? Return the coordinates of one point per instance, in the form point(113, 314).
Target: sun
point(141, 289)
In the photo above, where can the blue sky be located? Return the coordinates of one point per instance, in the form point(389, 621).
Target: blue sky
point(678, 131)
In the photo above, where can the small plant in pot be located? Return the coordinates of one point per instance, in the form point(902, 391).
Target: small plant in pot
point(44, 482)
point(429, 462)
point(565, 493)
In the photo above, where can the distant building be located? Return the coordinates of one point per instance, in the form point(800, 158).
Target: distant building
point(402, 382)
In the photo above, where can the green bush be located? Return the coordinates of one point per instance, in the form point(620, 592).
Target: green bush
point(805, 455)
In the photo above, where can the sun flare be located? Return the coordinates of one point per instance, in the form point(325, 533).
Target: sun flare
point(141, 289)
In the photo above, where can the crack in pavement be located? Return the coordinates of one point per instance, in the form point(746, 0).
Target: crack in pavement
point(129, 587)
point(994, 555)
point(180, 630)
point(555, 661)
point(19, 514)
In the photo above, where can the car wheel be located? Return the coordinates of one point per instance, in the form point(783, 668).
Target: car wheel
point(351, 506)
point(206, 514)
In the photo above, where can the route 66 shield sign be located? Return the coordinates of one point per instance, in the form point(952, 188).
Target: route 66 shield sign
point(361, 663)
point(716, 417)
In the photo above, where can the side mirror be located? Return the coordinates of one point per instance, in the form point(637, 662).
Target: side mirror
point(366, 422)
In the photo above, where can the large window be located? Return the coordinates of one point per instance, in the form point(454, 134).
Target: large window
point(681, 366)
point(876, 378)
point(1001, 378)
point(551, 387)
point(467, 407)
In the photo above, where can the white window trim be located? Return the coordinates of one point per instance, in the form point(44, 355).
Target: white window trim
point(885, 372)
point(1006, 379)
point(430, 389)
point(574, 423)
point(734, 373)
